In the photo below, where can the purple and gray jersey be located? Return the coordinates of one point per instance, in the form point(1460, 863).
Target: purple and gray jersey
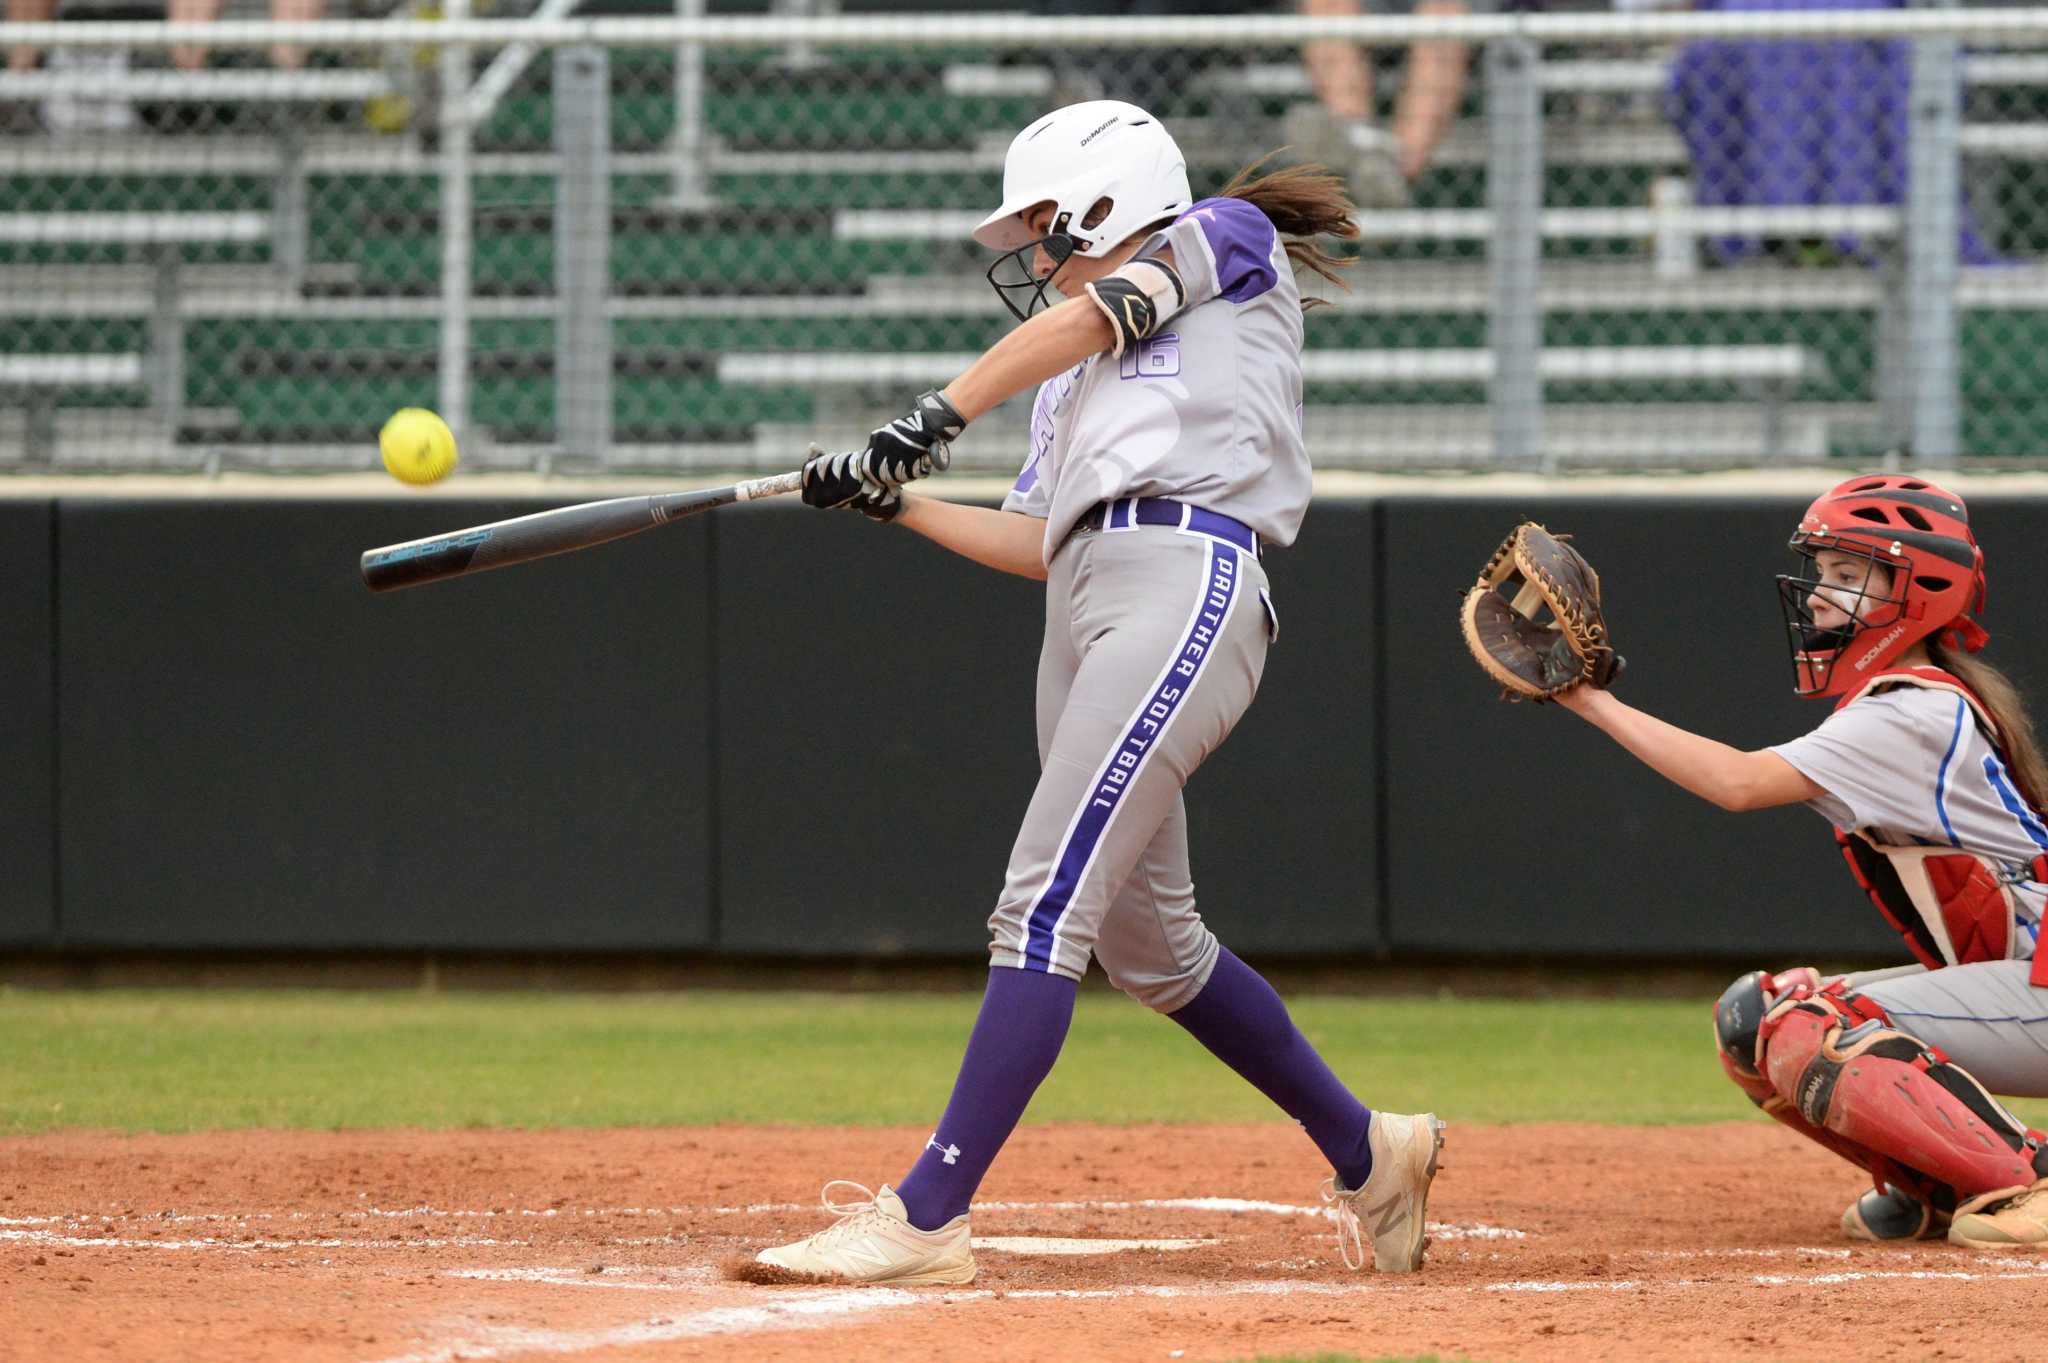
point(1157, 629)
point(1207, 412)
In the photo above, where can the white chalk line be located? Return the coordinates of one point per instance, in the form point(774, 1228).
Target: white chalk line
point(796, 1312)
point(1052, 1244)
point(2015, 1270)
point(1803, 1251)
point(811, 1309)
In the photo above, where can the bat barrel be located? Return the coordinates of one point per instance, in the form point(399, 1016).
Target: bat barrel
point(525, 538)
point(503, 543)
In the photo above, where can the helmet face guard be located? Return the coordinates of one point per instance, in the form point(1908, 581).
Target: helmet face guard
point(1922, 575)
point(1019, 285)
point(1865, 610)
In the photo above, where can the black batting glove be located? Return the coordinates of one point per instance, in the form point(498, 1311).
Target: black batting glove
point(838, 480)
point(911, 447)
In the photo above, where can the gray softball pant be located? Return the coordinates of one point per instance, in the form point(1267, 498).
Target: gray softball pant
point(1155, 639)
point(1985, 1017)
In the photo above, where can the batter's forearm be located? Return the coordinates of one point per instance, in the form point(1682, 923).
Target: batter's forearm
point(1710, 769)
point(1051, 343)
point(1004, 540)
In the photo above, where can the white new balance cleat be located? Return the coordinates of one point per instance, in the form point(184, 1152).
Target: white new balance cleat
point(2011, 1218)
point(874, 1242)
point(1389, 1208)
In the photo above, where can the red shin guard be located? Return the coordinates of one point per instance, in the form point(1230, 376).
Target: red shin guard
point(1883, 1172)
point(1840, 1069)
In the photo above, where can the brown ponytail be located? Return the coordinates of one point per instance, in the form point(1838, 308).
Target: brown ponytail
point(2008, 711)
point(1304, 201)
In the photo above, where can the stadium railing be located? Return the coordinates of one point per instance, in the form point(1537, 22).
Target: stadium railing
point(695, 243)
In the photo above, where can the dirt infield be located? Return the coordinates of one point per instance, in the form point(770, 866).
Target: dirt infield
point(1550, 1243)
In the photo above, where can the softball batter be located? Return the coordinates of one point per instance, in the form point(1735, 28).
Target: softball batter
point(1166, 452)
point(1929, 770)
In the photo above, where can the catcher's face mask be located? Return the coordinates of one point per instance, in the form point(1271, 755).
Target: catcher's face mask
point(1842, 596)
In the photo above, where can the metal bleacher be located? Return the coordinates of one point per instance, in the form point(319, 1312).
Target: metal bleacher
point(265, 290)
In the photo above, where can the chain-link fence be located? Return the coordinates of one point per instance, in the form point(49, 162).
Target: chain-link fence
point(693, 243)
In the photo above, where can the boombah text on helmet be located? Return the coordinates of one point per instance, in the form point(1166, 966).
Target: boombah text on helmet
point(1919, 535)
point(1109, 169)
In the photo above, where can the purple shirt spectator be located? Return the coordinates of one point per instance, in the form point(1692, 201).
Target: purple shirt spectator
point(1786, 122)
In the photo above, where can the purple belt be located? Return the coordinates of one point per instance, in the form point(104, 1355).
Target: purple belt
point(1128, 513)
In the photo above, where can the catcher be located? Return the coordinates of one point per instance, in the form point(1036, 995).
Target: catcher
point(1928, 768)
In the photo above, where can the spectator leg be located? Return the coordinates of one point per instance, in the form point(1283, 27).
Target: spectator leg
point(288, 211)
point(191, 12)
point(27, 12)
point(1338, 71)
point(1771, 408)
point(283, 57)
point(166, 340)
point(39, 427)
point(1429, 100)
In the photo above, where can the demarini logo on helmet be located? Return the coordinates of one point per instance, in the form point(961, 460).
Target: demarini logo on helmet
point(1108, 122)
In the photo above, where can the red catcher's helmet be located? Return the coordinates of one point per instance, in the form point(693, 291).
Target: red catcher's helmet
point(1914, 529)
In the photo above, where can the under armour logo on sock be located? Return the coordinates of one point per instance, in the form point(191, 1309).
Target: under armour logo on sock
point(951, 1153)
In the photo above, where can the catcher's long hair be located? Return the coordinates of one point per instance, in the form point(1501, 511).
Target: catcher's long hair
point(1304, 202)
point(2008, 710)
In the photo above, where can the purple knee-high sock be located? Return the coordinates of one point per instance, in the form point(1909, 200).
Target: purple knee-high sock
point(1243, 1023)
point(1023, 1023)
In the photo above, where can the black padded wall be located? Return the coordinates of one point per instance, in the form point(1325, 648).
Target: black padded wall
point(1282, 820)
point(773, 732)
point(257, 752)
point(28, 891)
point(876, 744)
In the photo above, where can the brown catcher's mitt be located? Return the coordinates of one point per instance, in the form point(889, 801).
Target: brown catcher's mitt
point(1534, 621)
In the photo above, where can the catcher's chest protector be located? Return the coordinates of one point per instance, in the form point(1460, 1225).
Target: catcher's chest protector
point(1953, 907)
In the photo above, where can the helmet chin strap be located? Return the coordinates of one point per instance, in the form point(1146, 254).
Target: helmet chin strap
point(1013, 279)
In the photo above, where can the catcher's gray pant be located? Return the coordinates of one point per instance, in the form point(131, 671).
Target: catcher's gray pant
point(1155, 639)
point(1985, 1017)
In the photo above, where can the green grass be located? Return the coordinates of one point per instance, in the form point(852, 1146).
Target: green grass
point(186, 1061)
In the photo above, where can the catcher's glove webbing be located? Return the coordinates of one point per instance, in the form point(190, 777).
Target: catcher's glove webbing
point(1533, 621)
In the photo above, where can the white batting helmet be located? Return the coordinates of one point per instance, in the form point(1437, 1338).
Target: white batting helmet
point(1077, 156)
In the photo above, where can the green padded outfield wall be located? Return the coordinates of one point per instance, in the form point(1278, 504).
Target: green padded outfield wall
point(28, 899)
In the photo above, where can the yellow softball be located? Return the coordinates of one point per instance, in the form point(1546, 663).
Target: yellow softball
point(418, 446)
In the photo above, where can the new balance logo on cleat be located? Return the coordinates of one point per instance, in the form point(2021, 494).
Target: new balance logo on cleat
point(863, 1254)
point(1386, 1214)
